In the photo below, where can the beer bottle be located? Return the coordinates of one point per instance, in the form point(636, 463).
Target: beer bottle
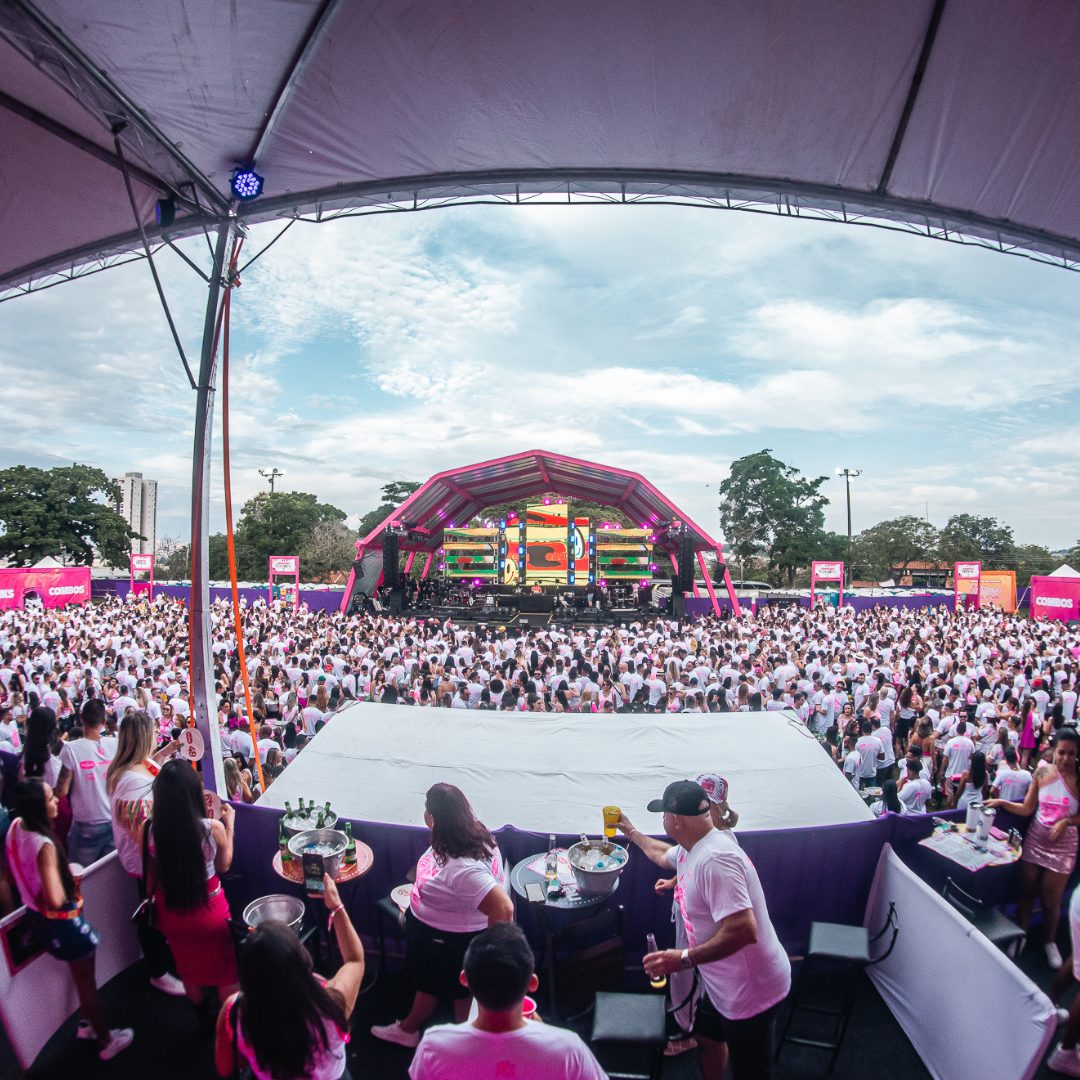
point(283, 843)
point(350, 845)
point(320, 821)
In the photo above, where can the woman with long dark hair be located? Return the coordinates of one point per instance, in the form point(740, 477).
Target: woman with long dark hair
point(287, 1023)
point(458, 892)
point(973, 785)
point(1049, 854)
point(187, 852)
point(39, 757)
point(54, 908)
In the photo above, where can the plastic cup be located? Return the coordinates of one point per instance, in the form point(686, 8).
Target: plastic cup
point(611, 819)
point(528, 1008)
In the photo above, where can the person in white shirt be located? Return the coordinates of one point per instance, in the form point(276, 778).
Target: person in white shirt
point(458, 892)
point(744, 971)
point(914, 790)
point(1010, 782)
point(958, 751)
point(84, 763)
point(871, 753)
point(851, 762)
point(501, 1041)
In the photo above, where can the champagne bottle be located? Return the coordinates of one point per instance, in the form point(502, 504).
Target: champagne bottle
point(288, 809)
point(551, 867)
point(326, 811)
point(350, 845)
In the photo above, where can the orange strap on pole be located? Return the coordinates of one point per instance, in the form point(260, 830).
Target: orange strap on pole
point(238, 621)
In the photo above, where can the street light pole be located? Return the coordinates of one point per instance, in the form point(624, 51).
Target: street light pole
point(274, 473)
point(848, 475)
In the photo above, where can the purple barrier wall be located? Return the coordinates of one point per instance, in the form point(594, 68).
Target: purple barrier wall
point(821, 874)
point(316, 599)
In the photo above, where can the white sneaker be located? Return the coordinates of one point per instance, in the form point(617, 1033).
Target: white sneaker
point(395, 1033)
point(168, 984)
point(1064, 1061)
point(119, 1040)
point(1053, 955)
point(85, 1030)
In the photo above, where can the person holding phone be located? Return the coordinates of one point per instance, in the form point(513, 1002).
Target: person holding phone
point(286, 1021)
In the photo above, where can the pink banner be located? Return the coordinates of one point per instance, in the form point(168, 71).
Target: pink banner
point(54, 588)
point(832, 570)
point(1055, 597)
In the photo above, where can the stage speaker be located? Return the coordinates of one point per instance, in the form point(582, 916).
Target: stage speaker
point(686, 563)
point(391, 580)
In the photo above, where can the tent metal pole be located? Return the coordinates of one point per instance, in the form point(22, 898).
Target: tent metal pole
point(203, 703)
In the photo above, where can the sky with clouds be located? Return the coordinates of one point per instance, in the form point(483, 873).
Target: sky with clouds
point(665, 340)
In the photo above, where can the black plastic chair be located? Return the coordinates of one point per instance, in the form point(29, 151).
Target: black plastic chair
point(846, 947)
point(626, 1027)
point(999, 929)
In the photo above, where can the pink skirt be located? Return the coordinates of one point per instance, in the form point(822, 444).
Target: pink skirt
point(200, 940)
point(1057, 855)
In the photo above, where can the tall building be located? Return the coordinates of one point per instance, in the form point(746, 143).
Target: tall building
point(138, 507)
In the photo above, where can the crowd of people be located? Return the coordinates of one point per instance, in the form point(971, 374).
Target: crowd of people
point(933, 707)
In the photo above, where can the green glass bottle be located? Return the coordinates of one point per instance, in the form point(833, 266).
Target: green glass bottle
point(350, 845)
point(320, 821)
point(283, 843)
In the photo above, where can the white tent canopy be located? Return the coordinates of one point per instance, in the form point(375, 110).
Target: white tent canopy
point(1064, 570)
point(957, 117)
point(549, 771)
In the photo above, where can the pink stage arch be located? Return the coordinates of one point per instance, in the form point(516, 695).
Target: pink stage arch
point(452, 497)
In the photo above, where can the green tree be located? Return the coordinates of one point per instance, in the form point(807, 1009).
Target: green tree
point(892, 546)
point(177, 566)
point(277, 524)
point(968, 536)
point(67, 513)
point(768, 506)
point(329, 546)
point(1028, 559)
point(393, 495)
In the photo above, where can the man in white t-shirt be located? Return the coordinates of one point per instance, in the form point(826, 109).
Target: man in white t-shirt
point(500, 1041)
point(1010, 782)
point(84, 763)
point(744, 971)
point(871, 753)
point(914, 790)
point(958, 751)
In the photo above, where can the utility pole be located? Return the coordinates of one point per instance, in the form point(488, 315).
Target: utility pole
point(848, 475)
point(273, 474)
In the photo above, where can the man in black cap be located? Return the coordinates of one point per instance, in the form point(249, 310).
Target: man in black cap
point(745, 973)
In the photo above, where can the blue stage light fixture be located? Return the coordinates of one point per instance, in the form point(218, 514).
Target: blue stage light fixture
point(246, 184)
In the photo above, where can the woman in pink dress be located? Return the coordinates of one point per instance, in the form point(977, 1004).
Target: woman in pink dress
point(1028, 736)
point(187, 853)
point(1049, 855)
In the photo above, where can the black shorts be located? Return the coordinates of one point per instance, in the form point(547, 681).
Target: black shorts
point(436, 958)
point(749, 1041)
